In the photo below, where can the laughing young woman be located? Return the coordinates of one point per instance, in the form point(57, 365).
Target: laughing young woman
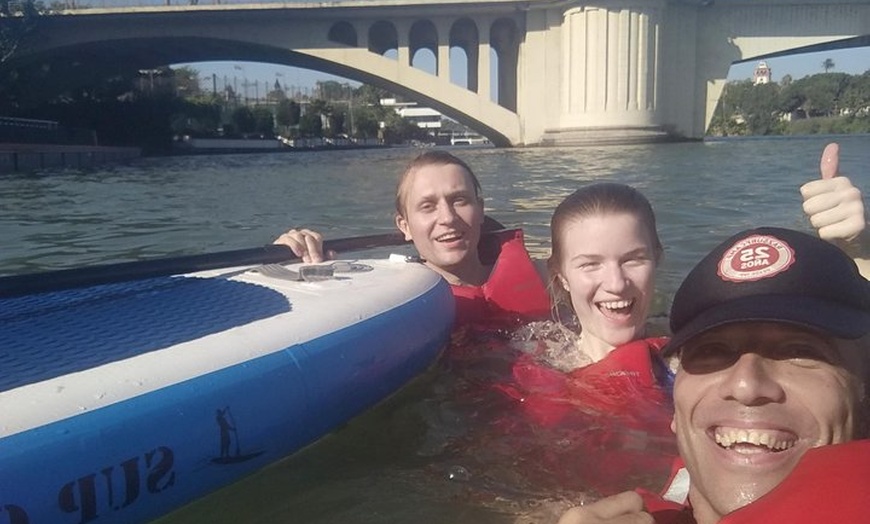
point(605, 251)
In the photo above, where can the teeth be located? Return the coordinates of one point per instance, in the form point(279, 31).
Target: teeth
point(448, 237)
point(728, 437)
point(616, 304)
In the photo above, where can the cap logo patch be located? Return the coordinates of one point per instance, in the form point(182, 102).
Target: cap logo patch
point(755, 258)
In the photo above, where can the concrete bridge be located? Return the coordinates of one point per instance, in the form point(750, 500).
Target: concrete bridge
point(566, 71)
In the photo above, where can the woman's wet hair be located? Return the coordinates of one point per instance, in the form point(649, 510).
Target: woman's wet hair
point(430, 158)
point(604, 198)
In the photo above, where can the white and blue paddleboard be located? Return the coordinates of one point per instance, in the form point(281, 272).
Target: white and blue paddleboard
point(122, 401)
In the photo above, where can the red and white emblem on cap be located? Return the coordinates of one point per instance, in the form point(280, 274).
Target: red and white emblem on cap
point(755, 258)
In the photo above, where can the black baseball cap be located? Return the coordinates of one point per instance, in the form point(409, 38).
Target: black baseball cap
point(777, 275)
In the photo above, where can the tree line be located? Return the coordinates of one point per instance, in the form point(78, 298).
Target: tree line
point(150, 108)
point(153, 108)
point(827, 103)
point(336, 110)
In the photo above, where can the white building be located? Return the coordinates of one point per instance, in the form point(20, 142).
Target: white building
point(762, 73)
point(445, 131)
point(424, 117)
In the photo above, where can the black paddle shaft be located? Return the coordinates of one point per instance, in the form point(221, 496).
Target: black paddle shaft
point(18, 285)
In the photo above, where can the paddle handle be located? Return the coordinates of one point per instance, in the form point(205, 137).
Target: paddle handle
point(18, 285)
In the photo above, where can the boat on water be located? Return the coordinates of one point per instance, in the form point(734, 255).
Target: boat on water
point(467, 139)
point(121, 401)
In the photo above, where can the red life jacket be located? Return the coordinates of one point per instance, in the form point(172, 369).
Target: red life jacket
point(514, 291)
point(829, 484)
point(672, 505)
point(612, 417)
point(623, 385)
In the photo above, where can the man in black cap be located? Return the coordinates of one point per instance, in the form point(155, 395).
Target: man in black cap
point(771, 330)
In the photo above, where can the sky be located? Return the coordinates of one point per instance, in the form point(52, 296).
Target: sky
point(851, 61)
point(854, 61)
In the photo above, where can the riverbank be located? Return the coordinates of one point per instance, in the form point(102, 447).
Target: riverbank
point(212, 146)
point(31, 157)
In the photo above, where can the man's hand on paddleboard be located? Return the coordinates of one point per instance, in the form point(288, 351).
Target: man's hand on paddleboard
point(306, 244)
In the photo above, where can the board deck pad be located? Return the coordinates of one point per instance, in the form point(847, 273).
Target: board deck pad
point(53, 334)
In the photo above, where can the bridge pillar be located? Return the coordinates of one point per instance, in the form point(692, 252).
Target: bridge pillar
point(362, 35)
point(505, 41)
point(472, 52)
point(403, 50)
point(483, 62)
point(443, 50)
point(610, 56)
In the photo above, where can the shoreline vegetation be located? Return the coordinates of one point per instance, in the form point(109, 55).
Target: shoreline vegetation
point(820, 104)
point(825, 103)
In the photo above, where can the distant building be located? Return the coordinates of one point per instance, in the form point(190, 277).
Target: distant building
point(443, 130)
point(761, 75)
point(423, 117)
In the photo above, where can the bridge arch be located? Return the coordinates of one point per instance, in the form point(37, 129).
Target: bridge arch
point(383, 37)
point(423, 35)
point(343, 33)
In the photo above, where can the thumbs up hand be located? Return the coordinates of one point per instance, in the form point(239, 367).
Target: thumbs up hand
point(834, 206)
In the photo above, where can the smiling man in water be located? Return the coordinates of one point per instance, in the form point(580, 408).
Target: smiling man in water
point(771, 329)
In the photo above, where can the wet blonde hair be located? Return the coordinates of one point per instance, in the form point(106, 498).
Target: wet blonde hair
point(605, 198)
point(430, 158)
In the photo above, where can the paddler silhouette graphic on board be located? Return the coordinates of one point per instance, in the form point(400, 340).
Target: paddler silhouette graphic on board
point(229, 434)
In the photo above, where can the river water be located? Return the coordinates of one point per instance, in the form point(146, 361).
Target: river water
point(391, 465)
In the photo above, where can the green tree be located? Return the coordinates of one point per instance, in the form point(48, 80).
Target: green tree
point(822, 93)
point(366, 122)
point(856, 96)
point(370, 95)
point(186, 82)
point(332, 90)
point(319, 106)
point(337, 123)
point(310, 125)
point(398, 130)
point(264, 122)
point(791, 98)
point(197, 118)
point(724, 121)
point(762, 113)
point(323, 110)
point(828, 64)
point(243, 120)
point(751, 109)
point(17, 20)
point(287, 113)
